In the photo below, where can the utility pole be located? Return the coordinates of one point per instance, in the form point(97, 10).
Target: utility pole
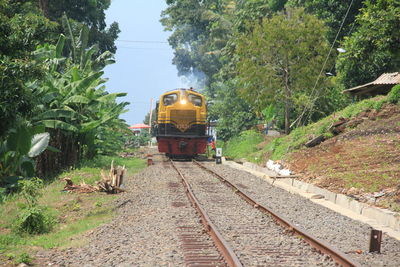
point(151, 113)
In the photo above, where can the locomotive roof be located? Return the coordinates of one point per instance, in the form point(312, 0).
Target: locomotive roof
point(179, 89)
point(176, 89)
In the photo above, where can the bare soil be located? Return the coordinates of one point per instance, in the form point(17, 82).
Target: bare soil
point(363, 161)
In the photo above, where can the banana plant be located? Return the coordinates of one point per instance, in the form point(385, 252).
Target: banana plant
point(17, 153)
point(74, 105)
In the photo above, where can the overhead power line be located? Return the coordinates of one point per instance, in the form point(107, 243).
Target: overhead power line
point(143, 41)
point(322, 69)
point(144, 48)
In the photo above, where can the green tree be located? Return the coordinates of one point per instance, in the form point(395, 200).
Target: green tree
point(280, 61)
point(374, 47)
point(233, 114)
point(147, 118)
point(74, 105)
point(200, 31)
point(332, 12)
point(22, 28)
point(88, 12)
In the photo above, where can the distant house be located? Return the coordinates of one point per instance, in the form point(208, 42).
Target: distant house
point(380, 86)
point(137, 128)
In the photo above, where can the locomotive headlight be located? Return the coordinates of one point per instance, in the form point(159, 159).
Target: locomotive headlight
point(183, 101)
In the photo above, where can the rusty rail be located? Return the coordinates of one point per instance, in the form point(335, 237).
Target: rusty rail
point(316, 243)
point(226, 251)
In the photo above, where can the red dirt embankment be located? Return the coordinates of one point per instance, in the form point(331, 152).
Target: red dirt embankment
point(363, 161)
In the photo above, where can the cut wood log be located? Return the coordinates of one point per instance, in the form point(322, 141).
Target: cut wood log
point(315, 141)
point(284, 176)
point(109, 183)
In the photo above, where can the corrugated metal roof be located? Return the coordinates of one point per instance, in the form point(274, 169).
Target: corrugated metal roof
point(388, 78)
point(385, 79)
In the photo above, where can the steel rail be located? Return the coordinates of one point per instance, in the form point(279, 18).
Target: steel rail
point(316, 243)
point(226, 251)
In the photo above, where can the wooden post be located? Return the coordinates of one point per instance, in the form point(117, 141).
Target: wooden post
point(375, 241)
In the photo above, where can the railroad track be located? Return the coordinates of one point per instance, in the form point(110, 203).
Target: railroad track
point(200, 244)
point(252, 231)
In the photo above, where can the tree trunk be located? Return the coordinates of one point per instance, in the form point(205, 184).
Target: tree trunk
point(287, 116)
point(288, 96)
point(44, 6)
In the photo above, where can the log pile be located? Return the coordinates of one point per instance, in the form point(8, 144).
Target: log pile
point(82, 188)
point(110, 183)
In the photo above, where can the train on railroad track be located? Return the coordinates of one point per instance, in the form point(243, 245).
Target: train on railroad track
point(181, 123)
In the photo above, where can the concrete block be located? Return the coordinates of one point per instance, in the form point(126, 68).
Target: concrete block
point(356, 206)
point(313, 189)
point(301, 185)
point(343, 201)
point(394, 222)
point(382, 216)
point(250, 165)
point(288, 181)
point(330, 196)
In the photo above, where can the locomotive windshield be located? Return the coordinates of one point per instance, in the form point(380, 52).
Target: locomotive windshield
point(170, 99)
point(195, 100)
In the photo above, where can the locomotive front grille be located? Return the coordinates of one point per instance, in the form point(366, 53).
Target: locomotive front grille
point(183, 118)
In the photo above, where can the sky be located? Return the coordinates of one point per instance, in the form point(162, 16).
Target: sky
point(143, 69)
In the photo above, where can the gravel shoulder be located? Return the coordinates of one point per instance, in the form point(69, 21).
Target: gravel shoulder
point(143, 233)
point(349, 236)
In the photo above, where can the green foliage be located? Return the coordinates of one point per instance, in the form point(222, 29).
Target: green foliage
point(24, 258)
point(332, 13)
point(248, 12)
point(60, 203)
point(299, 136)
point(142, 139)
point(74, 101)
point(30, 190)
point(89, 13)
point(269, 113)
point(54, 85)
point(279, 61)
point(394, 94)
point(32, 219)
point(200, 32)
point(16, 154)
point(22, 28)
point(233, 113)
point(102, 161)
point(374, 47)
point(243, 145)
point(16, 100)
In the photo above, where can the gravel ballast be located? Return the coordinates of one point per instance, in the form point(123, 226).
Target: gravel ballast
point(256, 239)
point(145, 231)
point(347, 235)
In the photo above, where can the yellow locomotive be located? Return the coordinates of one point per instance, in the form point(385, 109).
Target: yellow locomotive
point(181, 123)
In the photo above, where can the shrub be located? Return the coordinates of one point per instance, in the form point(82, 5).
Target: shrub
point(378, 104)
point(394, 94)
point(24, 258)
point(33, 220)
point(30, 190)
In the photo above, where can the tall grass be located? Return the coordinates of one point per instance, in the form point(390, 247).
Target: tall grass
point(243, 146)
